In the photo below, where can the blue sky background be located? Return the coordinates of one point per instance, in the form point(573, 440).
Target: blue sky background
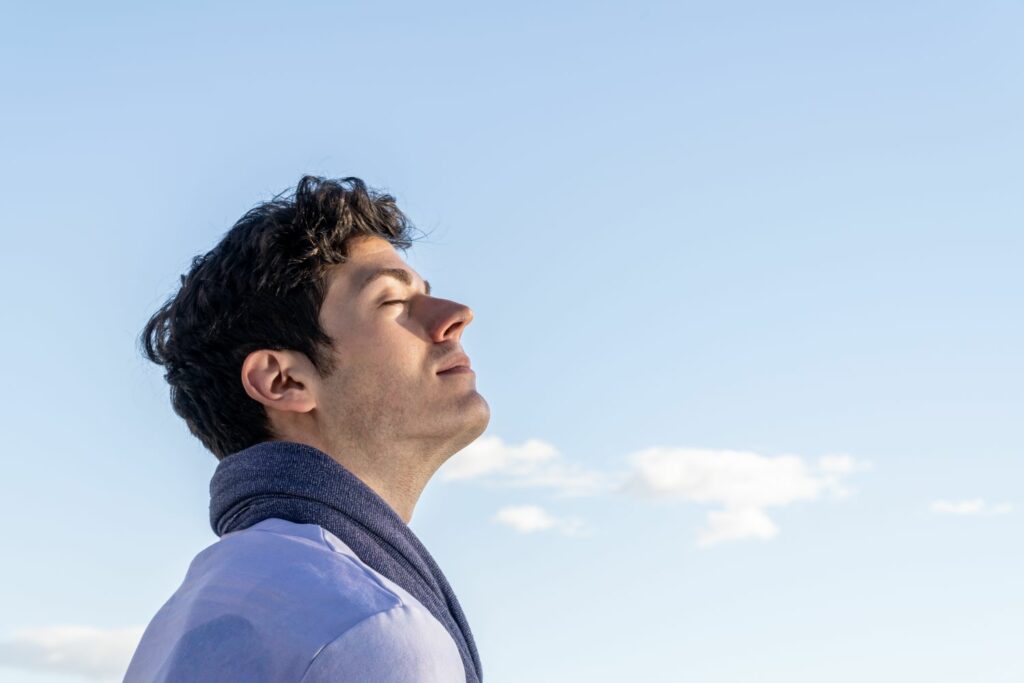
point(748, 235)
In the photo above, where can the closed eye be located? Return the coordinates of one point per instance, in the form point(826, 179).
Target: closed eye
point(394, 301)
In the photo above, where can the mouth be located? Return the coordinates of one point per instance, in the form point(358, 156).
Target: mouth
point(457, 370)
point(456, 364)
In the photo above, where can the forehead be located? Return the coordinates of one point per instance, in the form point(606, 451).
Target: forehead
point(366, 255)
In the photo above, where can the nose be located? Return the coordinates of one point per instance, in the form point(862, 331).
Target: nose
point(450, 320)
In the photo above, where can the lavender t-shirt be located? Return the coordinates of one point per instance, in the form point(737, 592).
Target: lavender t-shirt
point(281, 602)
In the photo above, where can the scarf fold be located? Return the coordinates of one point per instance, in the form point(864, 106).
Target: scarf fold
point(302, 484)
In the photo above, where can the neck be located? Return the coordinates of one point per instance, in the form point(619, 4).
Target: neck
point(399, 491)
point(391, 477)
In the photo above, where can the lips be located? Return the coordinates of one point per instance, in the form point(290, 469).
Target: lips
point(456, 370)
point(459, 360)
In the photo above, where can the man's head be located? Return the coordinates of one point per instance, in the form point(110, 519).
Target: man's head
point(293, 328)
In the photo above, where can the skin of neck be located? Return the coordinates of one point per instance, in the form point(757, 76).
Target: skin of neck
point(397, 471)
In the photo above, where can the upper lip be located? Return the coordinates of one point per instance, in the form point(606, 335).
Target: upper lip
point(455, 361)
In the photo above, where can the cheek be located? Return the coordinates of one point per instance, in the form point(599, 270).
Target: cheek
point(383, 349)
point(383, 357)
point(395, 343)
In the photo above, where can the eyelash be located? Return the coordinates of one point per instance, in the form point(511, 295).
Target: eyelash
point(394, 301)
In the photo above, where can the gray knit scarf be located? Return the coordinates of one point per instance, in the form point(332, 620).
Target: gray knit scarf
point(302, 484)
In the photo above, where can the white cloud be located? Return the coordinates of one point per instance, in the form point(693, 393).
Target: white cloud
point(490, 455)
point(975, 506)
point(742, 483)
point(735, 524)
point(533, 464)
point(833, 468)
point(100, 654)
point(531, 518)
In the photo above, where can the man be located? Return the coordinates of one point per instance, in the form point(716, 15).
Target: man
point(330, 383)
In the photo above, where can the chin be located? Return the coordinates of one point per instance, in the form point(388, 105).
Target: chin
point(485, 418)
point(473, 421)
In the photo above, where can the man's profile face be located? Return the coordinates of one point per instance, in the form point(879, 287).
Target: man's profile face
point(390, 340)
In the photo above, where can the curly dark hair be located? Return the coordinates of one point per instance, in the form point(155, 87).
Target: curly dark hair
point(261, 287)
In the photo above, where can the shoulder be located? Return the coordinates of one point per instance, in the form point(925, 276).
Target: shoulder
point(398, 645)
point(387, 635)
point(285, 566)
point(282, 580)
point(291, 597)
point(268, 597)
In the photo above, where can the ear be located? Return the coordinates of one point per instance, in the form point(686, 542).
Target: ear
point(283, 380)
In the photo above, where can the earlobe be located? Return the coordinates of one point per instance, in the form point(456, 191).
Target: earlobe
point(279, 379)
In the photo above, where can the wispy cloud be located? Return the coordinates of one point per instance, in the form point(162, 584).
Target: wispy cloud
point(96, 653)
point(974, 506)
point(528, 519)
point(534, 464)
point(742, 484)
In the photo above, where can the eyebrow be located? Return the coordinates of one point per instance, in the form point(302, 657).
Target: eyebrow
point(399, 274)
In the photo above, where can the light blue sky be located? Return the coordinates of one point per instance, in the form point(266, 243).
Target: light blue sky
point(785, 229)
